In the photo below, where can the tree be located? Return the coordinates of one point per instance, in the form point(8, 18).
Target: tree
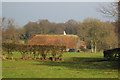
point(9, 31)
point(113, 10)
point(119, 24)
point(97, 34)
point(110, 11)
point(60, 27)
point(71, 26)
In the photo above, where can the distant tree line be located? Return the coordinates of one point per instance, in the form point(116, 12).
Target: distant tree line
point(97, 35)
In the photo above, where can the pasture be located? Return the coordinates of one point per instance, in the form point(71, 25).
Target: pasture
point(74, 65)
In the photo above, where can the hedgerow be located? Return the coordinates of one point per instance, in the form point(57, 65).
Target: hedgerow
point(35, 50)
point(113, 54)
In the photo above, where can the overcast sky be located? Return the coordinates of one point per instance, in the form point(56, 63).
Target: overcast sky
point(23, 12)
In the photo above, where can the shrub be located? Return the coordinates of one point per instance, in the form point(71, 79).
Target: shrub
point(36, 50)
point(9, 48)
point(112, 54)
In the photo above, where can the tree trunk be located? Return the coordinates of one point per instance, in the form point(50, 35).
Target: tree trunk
point(53, 58)
point(119, 24)
point(92, 46)
point(39, 55)
point(95, 47)
point(34, 54)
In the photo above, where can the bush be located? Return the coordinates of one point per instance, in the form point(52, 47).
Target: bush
point(113, 54)
point(36, 50)
point(84, 49)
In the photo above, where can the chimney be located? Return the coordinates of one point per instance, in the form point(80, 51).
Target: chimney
point(64, 33)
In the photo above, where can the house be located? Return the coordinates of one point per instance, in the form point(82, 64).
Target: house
point(70, 41)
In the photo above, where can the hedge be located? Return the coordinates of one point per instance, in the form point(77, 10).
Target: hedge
point(113, 54)
point(36, 50)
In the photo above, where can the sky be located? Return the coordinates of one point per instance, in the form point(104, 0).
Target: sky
point(59, 12)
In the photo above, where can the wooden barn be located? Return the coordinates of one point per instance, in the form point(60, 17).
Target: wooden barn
point(70, 41)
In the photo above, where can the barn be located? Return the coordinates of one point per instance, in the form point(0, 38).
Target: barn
point(70, 41)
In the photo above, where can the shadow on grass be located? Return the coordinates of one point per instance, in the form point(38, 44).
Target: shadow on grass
point(83, 63)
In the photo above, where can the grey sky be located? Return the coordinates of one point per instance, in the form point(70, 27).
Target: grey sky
point(23, 12)
point(0, 9)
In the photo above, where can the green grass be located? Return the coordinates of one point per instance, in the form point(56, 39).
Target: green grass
point(75, 65)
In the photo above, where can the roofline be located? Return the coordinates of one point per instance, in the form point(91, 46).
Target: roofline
point(58, 35)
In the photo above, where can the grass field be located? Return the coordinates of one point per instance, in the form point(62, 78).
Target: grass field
point(75, 65)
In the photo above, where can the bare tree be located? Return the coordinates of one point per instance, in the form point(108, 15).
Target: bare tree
point(110, 11)
point(113, 10)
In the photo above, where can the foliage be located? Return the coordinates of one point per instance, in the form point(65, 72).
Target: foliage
point(25, 50)
point(97, 35)
point(112, 54)
point(112, 11)
point(84, 50)
point(10, 32)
